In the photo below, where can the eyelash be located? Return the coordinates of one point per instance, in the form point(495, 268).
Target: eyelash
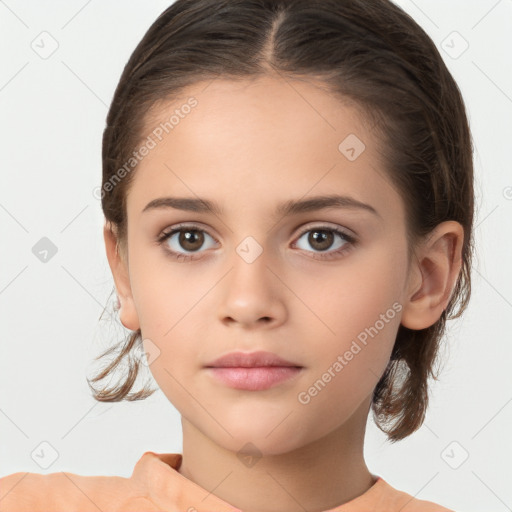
point(350, 241)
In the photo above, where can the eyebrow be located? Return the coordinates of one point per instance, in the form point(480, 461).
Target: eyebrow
point(285, 209)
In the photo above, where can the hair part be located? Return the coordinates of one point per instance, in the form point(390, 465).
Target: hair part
point(370, 53)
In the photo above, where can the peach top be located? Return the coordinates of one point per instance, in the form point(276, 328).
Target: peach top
point(156, 485)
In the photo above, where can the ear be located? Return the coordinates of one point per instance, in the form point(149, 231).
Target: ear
point(118, 263)
point(434, 270)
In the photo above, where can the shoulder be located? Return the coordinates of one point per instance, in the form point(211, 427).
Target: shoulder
point(63, 491)
point(393, 499)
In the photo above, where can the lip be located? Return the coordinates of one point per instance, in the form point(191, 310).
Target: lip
point(250, 360)
point(254, 379)
point(255, 371)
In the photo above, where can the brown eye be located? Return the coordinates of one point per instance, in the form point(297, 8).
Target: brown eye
point(323, 238)
point(183, 242)
point(320, 240)
point(190, 239)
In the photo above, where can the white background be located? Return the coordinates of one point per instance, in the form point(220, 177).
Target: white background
point(52, 115)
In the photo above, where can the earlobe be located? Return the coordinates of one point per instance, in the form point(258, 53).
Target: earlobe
point(119, 268)
point(436, 266)
point(128, 313)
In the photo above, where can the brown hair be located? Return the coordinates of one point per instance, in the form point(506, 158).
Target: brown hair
point(367, 51)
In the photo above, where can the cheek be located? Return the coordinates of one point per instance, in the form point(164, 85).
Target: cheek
point(165, 292)
point(351, 297)
point(348, 365)
point(360, 314)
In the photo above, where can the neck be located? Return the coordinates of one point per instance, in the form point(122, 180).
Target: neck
point(319, 476)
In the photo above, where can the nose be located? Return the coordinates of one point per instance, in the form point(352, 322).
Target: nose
point(252, 294)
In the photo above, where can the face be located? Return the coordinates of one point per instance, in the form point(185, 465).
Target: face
point(321, 287)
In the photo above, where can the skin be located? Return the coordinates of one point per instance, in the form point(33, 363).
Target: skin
point(250, 146)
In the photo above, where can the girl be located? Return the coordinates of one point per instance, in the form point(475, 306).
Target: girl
point(288, 195)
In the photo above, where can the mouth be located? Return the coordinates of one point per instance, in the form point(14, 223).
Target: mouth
point(256, 378)
point(254, 371)
point(250, 360)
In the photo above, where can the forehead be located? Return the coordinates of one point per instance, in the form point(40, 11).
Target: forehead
point(256, 141)
point(283, 105)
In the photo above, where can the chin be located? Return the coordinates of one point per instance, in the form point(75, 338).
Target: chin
point(263, 439)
